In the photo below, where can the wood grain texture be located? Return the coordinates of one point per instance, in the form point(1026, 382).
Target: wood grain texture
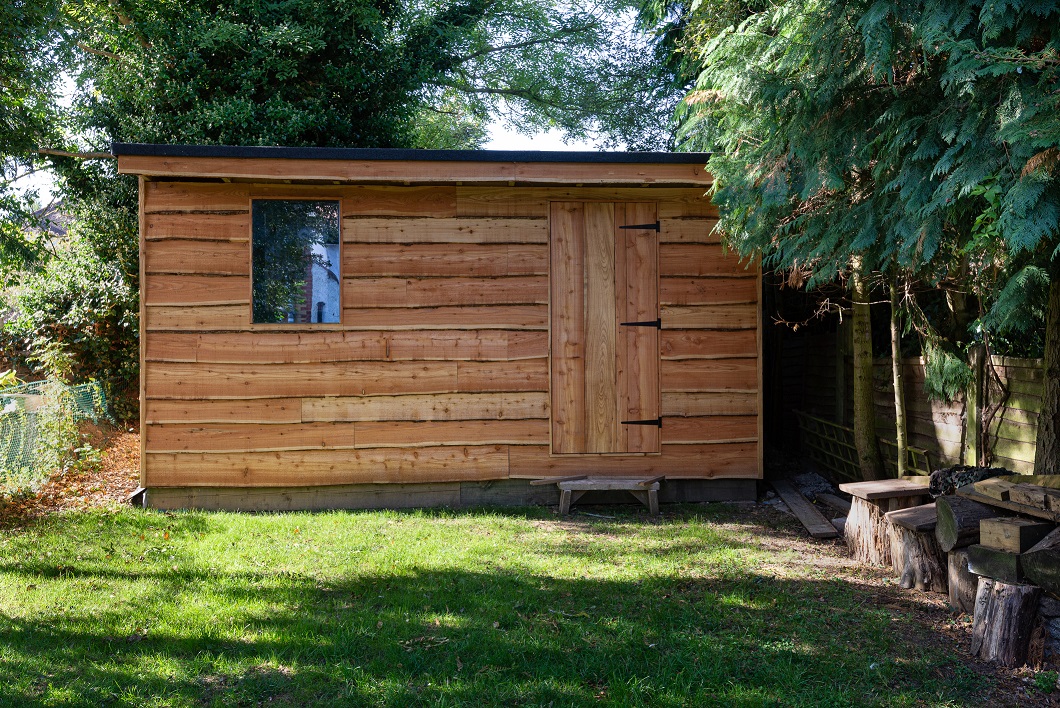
point(180, 380)
point(361, 201)
point(521, 375)
point(722, 460)
point(708, 429)
point(743, 316)
point(302, 347)
point(267, 347)
point(428, 292)
point(269, 411)
point(191, 196)
point(688, 230)
point(457, 432)
point(196, 290)
point(206, 227)
point(600, 380)
point(198, 257)
point(465, 317)
point(368, 171)
point(693, 259)
point(567, 262)
point(707, 291)
point(460, 406)
point(709, 375)
point(498, 201)
point(676, 403)
point(325, 467)
point(640, 302)
point(433, 260)
point(468, 230)
point(249, 437)
point(695, 344)
point(196, 318)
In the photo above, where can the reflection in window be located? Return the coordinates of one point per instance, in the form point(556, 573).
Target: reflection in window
point(296, 261)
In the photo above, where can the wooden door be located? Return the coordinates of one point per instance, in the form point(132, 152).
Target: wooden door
point(604, 312)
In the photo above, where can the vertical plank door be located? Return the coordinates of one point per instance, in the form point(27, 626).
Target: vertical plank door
point(605, 371)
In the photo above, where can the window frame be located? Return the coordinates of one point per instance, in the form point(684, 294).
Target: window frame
point(294, 326)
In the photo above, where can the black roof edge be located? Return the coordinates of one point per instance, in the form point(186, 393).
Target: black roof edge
point(323, 153)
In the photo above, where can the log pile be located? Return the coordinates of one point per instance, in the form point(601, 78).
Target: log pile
point(1002, 533)
point(992, 544)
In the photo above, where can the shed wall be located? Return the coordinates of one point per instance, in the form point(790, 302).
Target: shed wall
point(439, 371)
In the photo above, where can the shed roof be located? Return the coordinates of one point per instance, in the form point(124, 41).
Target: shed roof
point(399, 166)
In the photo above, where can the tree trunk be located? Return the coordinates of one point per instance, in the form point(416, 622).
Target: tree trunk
point(1004, 618)
point(899, 388)
point(958, 521)
point(864, 410)
point(1047, 449)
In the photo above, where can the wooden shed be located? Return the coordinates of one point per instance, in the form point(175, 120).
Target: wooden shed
point(357, 328)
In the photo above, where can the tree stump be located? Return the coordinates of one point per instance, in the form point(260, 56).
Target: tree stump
point(958, 521)
point(1003, 621)
point(962, 582)
point(866, 530)
point(915, 554)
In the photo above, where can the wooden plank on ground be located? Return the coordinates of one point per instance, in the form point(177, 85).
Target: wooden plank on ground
point(838, 503)
point(807, 513)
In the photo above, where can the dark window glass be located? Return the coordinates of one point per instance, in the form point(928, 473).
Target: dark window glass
point(296, 261)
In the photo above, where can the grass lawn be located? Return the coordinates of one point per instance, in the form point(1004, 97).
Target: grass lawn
point(713, 605)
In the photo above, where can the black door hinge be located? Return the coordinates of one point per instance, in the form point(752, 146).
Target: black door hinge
point(647, 227)
point(657, 422)
point(657, 324)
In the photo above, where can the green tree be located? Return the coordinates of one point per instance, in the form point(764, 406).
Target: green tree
point(31, 58)
point(869, 132)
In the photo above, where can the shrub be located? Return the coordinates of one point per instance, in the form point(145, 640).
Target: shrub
point(77, 318)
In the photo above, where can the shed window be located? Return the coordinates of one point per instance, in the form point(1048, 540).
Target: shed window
point(295, 246)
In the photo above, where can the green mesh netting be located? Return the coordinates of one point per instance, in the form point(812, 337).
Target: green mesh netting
point(22, 412)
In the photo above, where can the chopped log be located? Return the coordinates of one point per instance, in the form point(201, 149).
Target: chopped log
point(814, 522)
point(992, 563)
point(962, 582)
point(1042, 563)
point(958, 521)
point(1013, 534)
point(1003, 621)
point(917, 558)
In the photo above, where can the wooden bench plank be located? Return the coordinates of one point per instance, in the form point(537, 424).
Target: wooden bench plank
point(916, 518)
point(886, 488)
point(807, 513)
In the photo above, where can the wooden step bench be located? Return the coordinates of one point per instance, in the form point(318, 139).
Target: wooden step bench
point(867, 532)
point(571, 489)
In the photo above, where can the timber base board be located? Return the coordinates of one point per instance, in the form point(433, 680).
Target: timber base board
point(509, 492)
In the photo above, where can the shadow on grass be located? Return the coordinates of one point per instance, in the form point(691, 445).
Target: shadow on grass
point(417, 635)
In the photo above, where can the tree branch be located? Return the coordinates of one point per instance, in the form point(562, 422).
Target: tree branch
point(98, 52)
point(77, 155)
